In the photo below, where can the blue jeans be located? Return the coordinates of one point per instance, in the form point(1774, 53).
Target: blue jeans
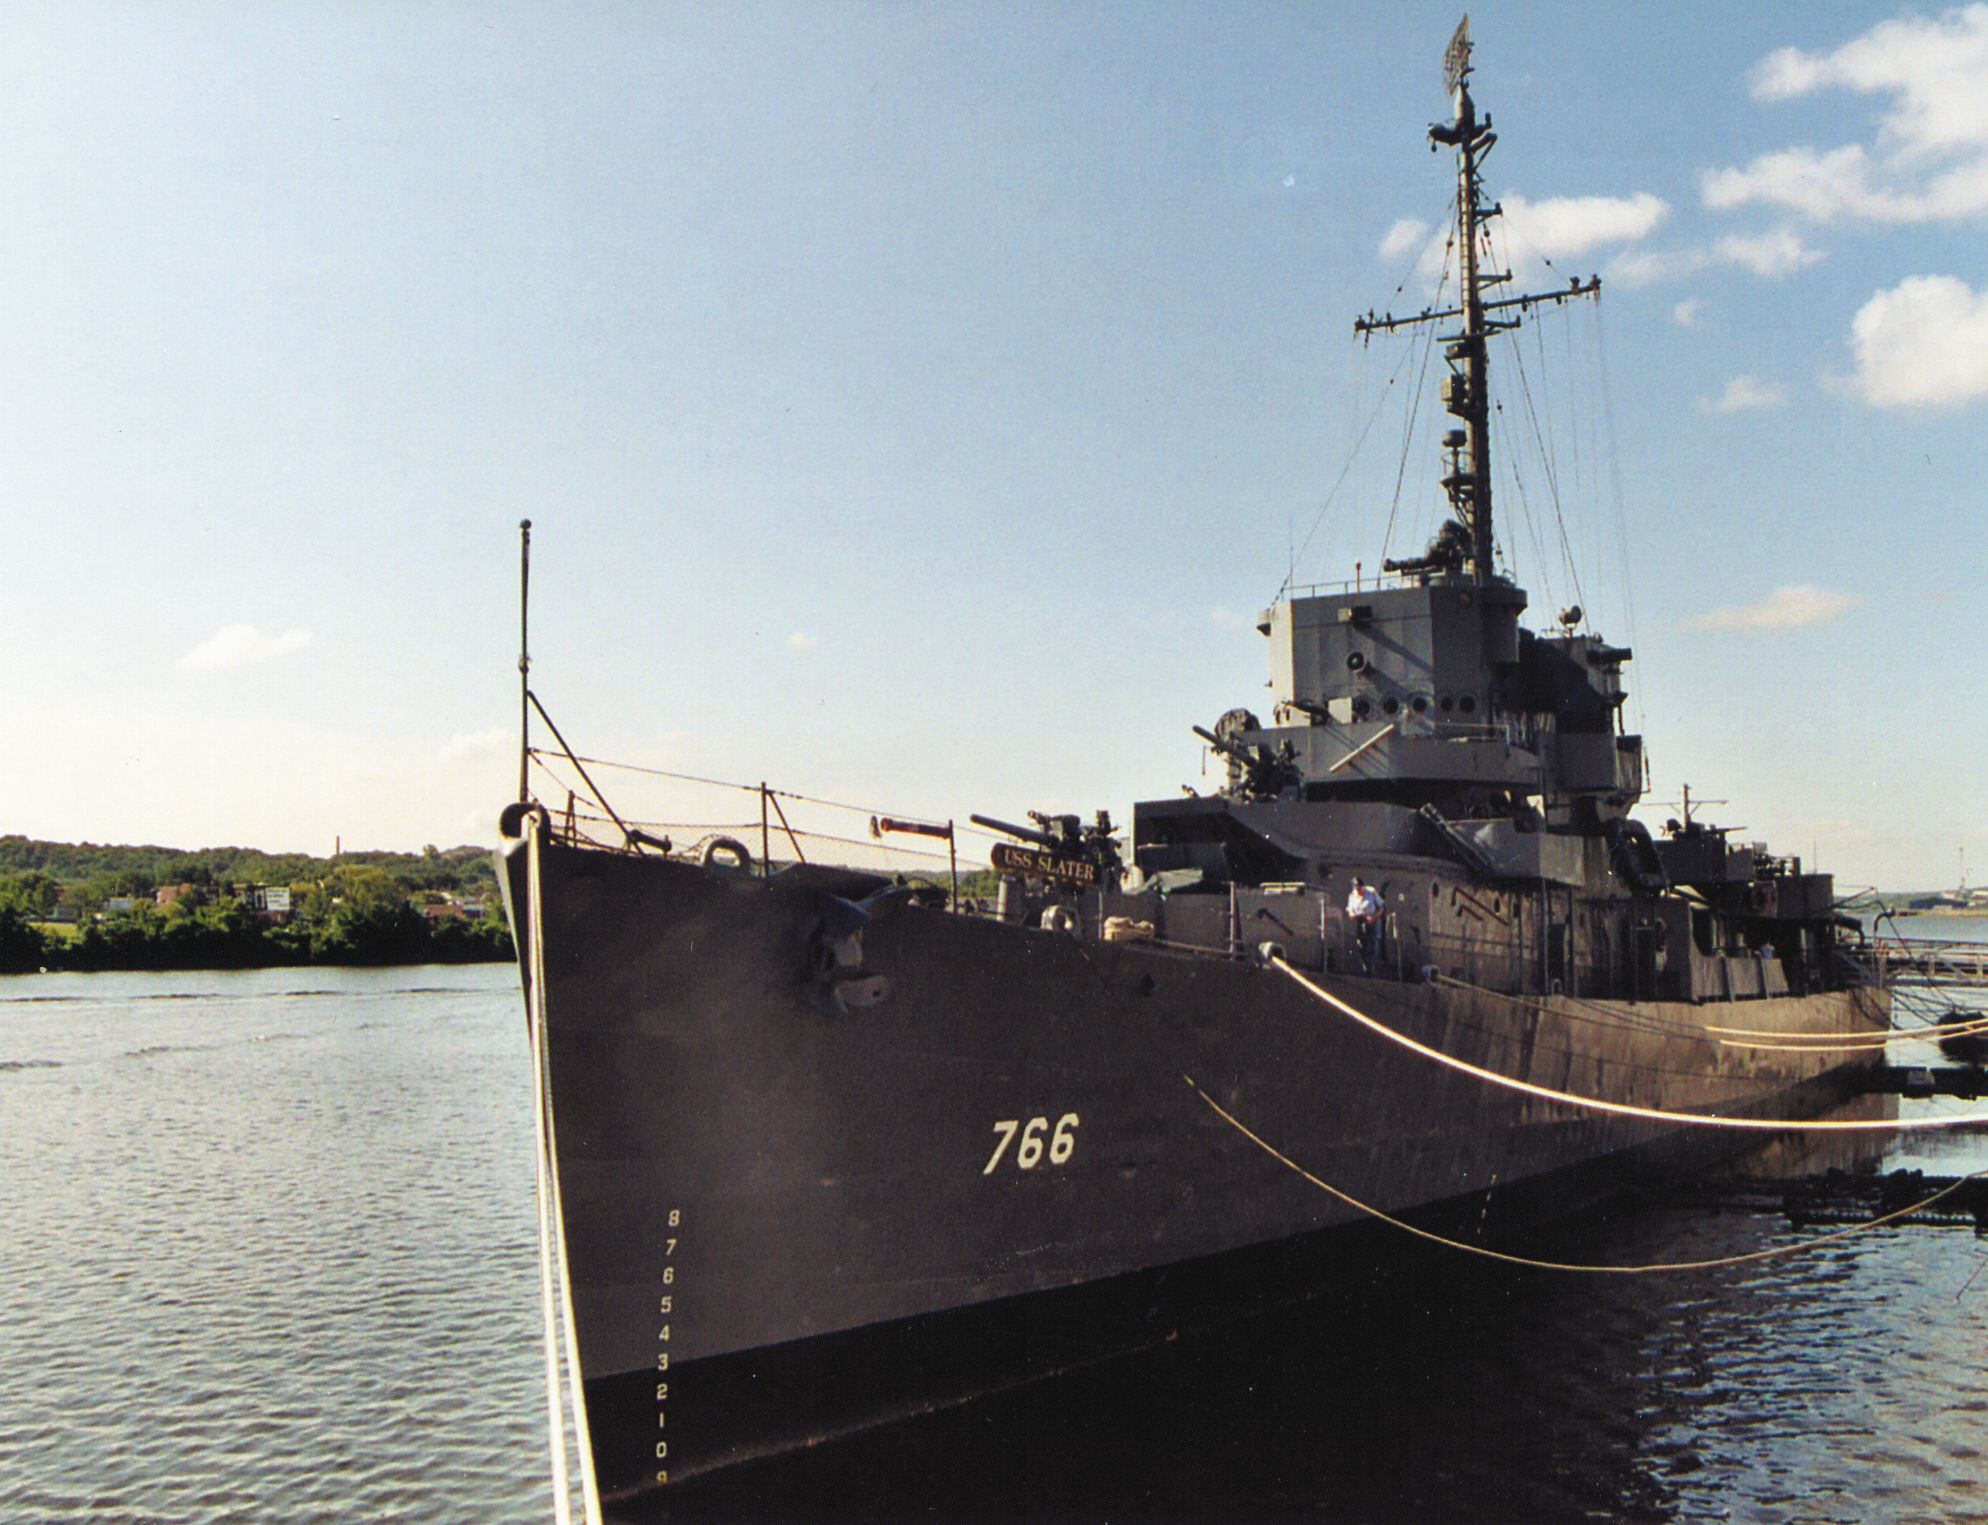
point(1368, 936)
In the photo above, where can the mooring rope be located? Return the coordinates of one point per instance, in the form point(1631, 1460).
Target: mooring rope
point(554, 1413)
point(1623, 1108)
point(552, 1228)
point(1831, 1042)
point(1728, 1037)
point(1579, 1009)
point(1716, 1262)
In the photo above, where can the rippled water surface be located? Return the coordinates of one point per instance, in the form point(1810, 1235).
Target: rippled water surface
point(269, 1255)
point(269, 1248)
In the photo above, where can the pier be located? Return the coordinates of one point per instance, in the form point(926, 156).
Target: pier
point(1926, 961)
point(1848, 1197)
point(1968, 1081)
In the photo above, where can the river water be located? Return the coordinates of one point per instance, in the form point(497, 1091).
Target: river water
point(269, 1255)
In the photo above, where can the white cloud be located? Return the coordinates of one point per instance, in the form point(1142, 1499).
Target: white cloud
point(1922, 344)
point(477, 745)
point(800, 640)
point(1770, 254)
point(1777, 252)
point(243, 646)
point(1845, 185)
point(1229, 619)
point(1786, 608)
point(1933, 67)
point(1685, 314)
point(1929, 161)
point(1567, 225)
point(1743, 394)
point(1530, 233)
point(1646, 267)
point(1408, 233)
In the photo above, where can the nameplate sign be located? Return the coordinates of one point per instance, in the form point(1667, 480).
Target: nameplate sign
point(1035, 863)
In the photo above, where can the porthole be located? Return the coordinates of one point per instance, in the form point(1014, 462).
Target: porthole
point(1390, 704)
point(1420, 704)
point(1360, 708)
point(1446, 704)
point(1356, 661)
point(1468, 704)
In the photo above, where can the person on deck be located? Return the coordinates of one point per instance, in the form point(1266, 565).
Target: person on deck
point(1364, 908)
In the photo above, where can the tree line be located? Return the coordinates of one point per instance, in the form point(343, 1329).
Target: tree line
point(362, 908)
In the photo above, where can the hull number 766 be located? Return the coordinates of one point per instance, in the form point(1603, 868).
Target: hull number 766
point(1033, 1149)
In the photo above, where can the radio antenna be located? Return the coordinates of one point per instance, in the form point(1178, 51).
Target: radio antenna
point(524, 661)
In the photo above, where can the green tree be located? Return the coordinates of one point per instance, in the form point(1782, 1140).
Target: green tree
point(31, 892)
point(22, 948)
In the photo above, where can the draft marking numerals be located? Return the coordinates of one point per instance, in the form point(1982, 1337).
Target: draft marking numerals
point(1030, 1152)
point(665, 1305)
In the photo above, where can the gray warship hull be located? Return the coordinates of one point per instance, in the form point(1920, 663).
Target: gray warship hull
point(786, 1217)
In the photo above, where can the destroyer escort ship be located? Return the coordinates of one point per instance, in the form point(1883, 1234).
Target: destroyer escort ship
point(825, 1149)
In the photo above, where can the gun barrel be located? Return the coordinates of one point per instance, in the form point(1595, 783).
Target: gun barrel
point(1226, 748)
point(1026, 833)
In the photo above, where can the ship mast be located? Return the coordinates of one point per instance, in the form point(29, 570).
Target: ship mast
point(1467, 389)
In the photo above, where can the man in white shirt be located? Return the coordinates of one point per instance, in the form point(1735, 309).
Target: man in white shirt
point(1364, 908)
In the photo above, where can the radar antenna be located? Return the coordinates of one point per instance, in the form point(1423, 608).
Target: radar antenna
point(1466, 390)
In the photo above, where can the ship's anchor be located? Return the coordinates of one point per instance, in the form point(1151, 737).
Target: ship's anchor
point(835, 948)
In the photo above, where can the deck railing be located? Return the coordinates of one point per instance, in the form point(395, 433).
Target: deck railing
point(686, 815)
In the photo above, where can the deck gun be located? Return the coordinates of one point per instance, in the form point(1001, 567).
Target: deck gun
point(1255, 771)
point(1071, 852)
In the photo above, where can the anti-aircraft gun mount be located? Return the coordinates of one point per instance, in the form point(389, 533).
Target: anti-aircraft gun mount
point(1257, 770)
point(1060, 850)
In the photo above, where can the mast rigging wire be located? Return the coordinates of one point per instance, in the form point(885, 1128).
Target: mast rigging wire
point(1353, 455)
point(1549, 473)
point(720, 783)
point(1412, 421)
point(1620, 515)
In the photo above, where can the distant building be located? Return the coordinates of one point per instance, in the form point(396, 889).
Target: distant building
point(450, 909)
point(166, 894)
point(120, 905)
point(269, 901)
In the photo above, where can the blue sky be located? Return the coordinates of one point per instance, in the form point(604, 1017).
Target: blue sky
point(916, 403)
